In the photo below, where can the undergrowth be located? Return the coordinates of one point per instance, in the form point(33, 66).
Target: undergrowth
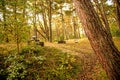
point(39, 63)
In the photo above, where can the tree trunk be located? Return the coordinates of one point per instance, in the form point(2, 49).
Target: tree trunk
point(63, 26)
point(102, 44)
point(34, 21)
point(74, 27)
point(117, 3)
point(24, 12)
point(57, 33)
point(100, 7)
point(50, 20)
point(4, 20)
point(16, 27)
point(46, 28)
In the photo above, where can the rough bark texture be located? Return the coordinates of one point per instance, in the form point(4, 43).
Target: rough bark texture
point(100, 7)
point(102, 44)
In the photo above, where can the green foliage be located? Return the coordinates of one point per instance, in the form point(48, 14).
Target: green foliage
point(40, 63)
point(115, 31)
point(1, 38)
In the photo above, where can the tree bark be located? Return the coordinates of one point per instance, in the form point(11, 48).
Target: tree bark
point(102, 44)
point(74, 27)
point(117, 3)
point(50, 20)
point(100, 7)
point(46, 27)
point(63, 25)
point(34, 20)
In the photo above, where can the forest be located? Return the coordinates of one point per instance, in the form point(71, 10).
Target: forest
point(59, 39)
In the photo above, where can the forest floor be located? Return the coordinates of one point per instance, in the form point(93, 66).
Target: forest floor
point(92, 69)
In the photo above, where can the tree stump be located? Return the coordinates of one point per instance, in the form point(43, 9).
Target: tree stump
point(40, 43)
point(61, 42)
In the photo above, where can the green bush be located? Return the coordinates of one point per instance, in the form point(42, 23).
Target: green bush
point(41, 63)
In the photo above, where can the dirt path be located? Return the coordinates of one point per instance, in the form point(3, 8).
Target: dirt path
point(91, 66)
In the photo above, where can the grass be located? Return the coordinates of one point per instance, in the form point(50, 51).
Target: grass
point(89, 67)
point(84, 46)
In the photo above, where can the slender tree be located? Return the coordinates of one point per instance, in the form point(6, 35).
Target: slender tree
point(62, 21)
point(102, 44)
point(44, 7)
point(74, 27)
point(34, 19)
point(16, 25)
point(3, 2)
point(50, 20)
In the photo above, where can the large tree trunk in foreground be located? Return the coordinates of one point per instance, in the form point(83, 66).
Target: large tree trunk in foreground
point(102, 44)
